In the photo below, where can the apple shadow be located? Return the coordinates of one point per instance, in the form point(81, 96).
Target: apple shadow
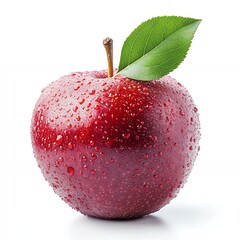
point(118, 229)
point(163, 224)
point(189, 215)
point(149, 220)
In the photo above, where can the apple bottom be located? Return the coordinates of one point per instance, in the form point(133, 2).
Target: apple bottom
point(128, 185)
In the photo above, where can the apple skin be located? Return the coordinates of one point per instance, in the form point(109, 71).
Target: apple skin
point(115, 148)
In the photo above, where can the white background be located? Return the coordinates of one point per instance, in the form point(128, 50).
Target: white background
point(43, 40)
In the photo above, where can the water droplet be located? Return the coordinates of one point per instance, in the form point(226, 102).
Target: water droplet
point(92, 92)
point(137, 137)
point(94, 156)
point(84, 158)
point(55, 186)
point(89, 104)
point(70, 146)
point(91, 143)
point(61, 159)
point(96, 107)
point(126, 135)
point(149, 106)
point(181, 113)
point(144, 89)
point(75, 108)
point(110, 143)
point(81, 101)
point(76, 87)
point(145, 185)
point(59, 139)
point(75, 137)
point(102, 153)
point(153, 138)
point(70, 171)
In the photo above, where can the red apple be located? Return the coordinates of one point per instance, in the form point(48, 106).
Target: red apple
point(115, 148)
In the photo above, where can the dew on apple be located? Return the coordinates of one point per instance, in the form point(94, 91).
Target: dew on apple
point(94, 156)
point(75, 108)
point(70, 145)
point(82, 100)
point(75, 137)
point(70, 171)
point(91, 143)
point(92, 92)
point(77, 87)
point(126, 135)
point(160, 154)
point(84, 158)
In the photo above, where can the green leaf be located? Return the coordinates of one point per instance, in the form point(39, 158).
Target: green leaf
point(156, 47)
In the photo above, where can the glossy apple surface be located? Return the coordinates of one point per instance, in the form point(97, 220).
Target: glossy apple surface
point(115, 148)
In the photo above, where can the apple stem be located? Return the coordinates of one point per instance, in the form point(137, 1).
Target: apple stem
point(108, 44)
